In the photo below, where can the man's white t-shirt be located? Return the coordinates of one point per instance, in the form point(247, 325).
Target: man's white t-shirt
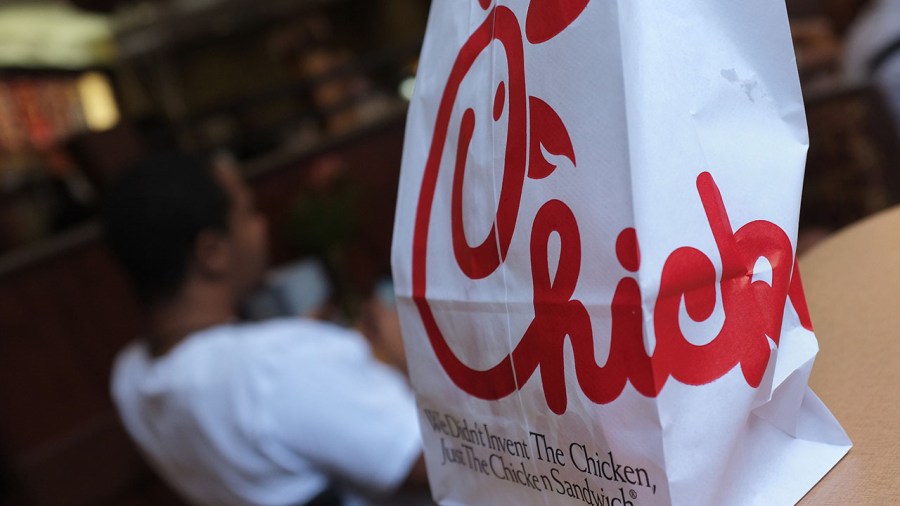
point(268, 413)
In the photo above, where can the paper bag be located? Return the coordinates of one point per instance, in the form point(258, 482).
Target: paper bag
point(594, 256)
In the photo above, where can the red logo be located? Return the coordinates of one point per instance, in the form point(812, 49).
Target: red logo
point(753, 310)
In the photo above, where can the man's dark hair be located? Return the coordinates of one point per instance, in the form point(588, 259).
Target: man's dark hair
point(153, 216)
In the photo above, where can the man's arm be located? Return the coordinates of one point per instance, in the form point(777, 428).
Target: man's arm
point(417, 479)
point(381, 325)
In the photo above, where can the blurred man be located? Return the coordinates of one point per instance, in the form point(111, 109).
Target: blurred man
point(286, 412)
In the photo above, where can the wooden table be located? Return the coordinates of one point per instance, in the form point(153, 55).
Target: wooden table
point(852, 283)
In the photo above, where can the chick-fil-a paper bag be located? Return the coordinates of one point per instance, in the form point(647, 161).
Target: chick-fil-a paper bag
point(594, 255)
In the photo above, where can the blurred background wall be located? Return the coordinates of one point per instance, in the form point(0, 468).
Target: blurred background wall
point(309, 97)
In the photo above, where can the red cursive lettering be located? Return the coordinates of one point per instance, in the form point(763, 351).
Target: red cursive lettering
point(753, 310)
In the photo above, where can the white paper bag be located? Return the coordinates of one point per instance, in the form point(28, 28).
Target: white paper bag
point(594, 255)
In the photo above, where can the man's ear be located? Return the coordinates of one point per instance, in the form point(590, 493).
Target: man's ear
point(212, 254)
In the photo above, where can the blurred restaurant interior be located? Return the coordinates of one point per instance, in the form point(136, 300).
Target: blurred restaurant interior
point(308, 98)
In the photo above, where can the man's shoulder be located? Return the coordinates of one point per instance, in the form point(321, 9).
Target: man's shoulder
point(279, 347)
point(293, 327)
point(228, 354)
point(302, 335)
point(245, 337)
